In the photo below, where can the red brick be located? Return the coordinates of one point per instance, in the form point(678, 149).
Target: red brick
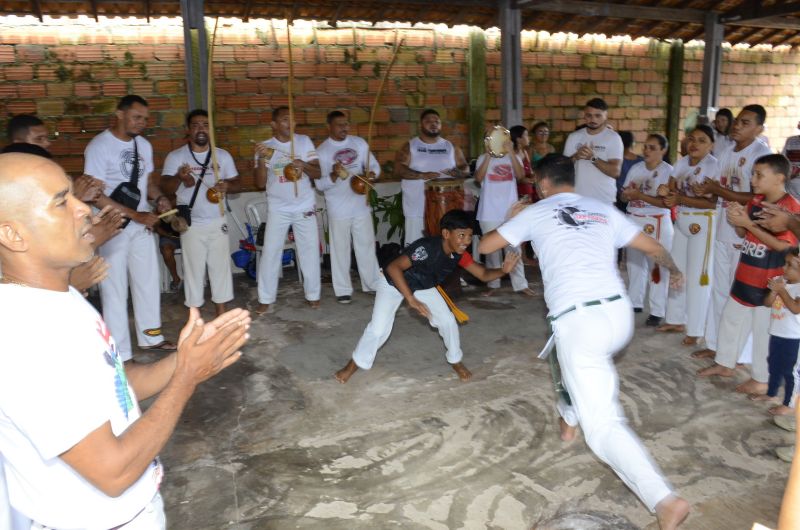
point(33, 90)
point(21, 107)
point(7, 90)
point(60, 90)
point(18, 73)
point(169, 53)
point(7, 54)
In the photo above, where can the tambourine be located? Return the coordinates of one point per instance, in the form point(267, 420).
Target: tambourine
point(360, 184)
point(495, 142)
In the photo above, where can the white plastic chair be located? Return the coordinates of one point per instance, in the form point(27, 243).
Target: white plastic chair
point(255, 211)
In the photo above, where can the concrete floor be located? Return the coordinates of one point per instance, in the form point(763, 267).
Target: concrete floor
point(275, 443)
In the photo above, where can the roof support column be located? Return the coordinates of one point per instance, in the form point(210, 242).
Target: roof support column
point(712, 61)
point(195, 43)
point(476, 85)
point(511, 63)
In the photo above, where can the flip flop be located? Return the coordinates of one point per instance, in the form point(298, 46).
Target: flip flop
point(163, 347)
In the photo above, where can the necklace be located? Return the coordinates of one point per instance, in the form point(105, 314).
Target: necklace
point(11, 281)
point(202, 164)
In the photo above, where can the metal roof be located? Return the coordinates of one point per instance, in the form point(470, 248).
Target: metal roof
point(753, 22)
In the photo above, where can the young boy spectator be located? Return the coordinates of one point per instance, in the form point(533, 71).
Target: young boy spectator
point(169, 240)
point(762, 257)
point(413, 276)
point(784, 334)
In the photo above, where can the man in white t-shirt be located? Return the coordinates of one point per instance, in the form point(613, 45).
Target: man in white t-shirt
point(205, 244)
point(576, 240)
point(791, 150)
point(736, 170)
point(597, 153)
point(342, 157)
point(123, 160)
point(428, 156)
point(77, 451)
point(285, 166)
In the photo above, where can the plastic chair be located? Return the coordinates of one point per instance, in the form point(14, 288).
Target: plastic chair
point(256, 211)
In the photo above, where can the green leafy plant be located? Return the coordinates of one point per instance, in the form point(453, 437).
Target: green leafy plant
point(388, 210)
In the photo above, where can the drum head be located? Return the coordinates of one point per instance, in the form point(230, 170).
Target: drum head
point(494, 142)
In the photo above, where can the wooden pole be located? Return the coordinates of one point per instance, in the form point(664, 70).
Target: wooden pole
point(211, 136)
point(291, 103)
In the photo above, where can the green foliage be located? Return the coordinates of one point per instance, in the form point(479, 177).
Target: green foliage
point(388, 210)
point(128, 58)
point(63, 73)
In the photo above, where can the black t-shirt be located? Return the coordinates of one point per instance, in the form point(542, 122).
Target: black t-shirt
point(430, 265)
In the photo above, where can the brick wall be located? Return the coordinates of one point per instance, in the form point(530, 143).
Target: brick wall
point(73, 77)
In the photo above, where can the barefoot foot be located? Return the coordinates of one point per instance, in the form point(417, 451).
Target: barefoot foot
point(527, 292)
point(781, 410)
point(752, 387)
point(762, 397)
point(671, 512)
point(461, 370)
point(716, 369)
point(262, 309)
point(690, 341)
point(704, 354)
point(568, 432)
point(313, 304)
point(671, 328)
point(488, 292)
point(344, 374)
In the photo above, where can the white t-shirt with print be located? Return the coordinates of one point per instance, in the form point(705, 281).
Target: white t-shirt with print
point(498, 189)
point(61, 378)
point(576, 240)
point(736, 171)
point(647, 181)
point(341, 201)
point(203, 211)
point(686, 174)
point(589, 180)
point(111, 160)
point(784, 323)
point(438, 156)
point(280, 190)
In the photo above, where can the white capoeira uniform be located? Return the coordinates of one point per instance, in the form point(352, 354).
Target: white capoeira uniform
point(437, 156)
point(349, 215)
point(498, 193)
point(655, 222)
point(592, 320)
point(131, 255)
point(285, 210)
point(736, 169)
point(589, 180)
point(693, 249)
point(205, 245)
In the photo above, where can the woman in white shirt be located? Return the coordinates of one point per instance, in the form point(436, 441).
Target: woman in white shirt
point(498, 179)
point(692, 249)
point(647, 209)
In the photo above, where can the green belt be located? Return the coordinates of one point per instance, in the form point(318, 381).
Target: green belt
point(584, 304)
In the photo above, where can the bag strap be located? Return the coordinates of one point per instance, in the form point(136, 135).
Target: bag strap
point(134, 179)
point(204, 165)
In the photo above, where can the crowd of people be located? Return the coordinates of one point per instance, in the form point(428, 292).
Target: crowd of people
point(710, 251)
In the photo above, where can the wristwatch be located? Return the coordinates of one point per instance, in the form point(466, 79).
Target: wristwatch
point(593, 159)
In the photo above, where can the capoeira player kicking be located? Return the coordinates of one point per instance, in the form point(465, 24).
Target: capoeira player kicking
point(576, 239)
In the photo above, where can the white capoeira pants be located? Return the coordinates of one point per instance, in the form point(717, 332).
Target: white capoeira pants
point(640, 266)
point(726, 258)
point(133, 262)
point(415, 227)
point(495, 261)
point(206, 246)
point(387, 301)
point(306, 240)
point(586, 341)
point(693, 253)
point(151, 517)
point(362, 233)
point(738, 324)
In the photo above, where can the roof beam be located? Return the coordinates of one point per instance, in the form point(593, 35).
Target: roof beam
point(37, 8)
point(603, 9)
point(94, 11)
point(248, 6)
point(754, 11)
point(776, 22)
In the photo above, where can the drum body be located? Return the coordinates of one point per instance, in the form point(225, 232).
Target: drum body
point(441, 196)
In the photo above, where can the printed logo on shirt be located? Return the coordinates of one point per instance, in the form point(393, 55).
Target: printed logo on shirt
point(112, 358)
point(432, 150)
point(419, 254)
point(345, 156)
point(742, 161)
point(697, 170)
point(501, 173)
point(751, 248)
point(573, 217)
point(126, 158)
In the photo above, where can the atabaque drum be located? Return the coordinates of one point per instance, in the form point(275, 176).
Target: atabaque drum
point(441, 196)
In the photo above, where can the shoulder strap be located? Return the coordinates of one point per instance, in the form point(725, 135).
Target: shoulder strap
point(200, 179)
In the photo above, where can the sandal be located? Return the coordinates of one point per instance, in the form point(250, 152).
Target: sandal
point(163, 347)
